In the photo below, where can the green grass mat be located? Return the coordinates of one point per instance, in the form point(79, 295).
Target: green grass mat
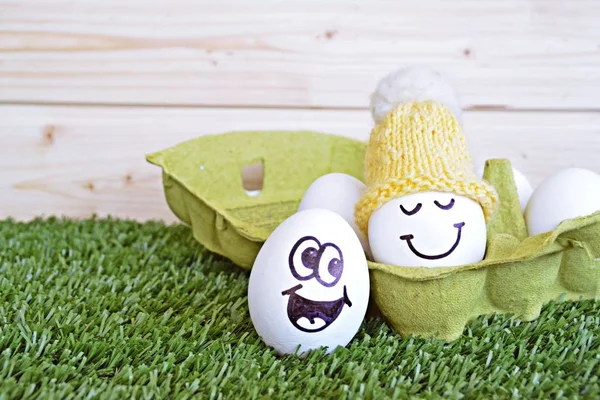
point(115, 309)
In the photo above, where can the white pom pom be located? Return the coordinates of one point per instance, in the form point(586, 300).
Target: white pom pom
point(415, 83)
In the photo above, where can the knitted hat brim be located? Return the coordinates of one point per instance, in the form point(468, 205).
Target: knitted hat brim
point(377, 195)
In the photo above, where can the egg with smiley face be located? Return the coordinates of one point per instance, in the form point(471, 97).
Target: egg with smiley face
point(430, 229)
point(309, 285)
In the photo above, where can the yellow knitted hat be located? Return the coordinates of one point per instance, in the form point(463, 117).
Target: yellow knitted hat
point(418, 147)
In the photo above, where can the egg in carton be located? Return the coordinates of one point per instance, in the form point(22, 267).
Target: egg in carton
point(416, 289)
point(425, 211)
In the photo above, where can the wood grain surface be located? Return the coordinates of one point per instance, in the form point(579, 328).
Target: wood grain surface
point(500, 54)
point(77, 161)
point(88, 88)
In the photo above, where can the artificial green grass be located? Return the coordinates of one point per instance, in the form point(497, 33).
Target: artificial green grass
point(115, 309)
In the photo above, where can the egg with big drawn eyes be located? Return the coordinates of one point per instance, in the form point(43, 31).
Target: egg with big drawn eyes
point(309, 285)
point(430, 229)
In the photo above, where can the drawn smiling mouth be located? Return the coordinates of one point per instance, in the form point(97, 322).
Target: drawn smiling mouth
point(408, 239)
point(300, 307)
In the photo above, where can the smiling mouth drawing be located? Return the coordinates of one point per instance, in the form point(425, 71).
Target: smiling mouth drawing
point(408, 239)
point(300, 307)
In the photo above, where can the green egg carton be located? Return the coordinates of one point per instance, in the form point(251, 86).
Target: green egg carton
point(203, 186)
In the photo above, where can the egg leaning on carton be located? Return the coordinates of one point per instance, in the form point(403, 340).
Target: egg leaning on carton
point(424, 206)
point(309, 285)
point(571, 193)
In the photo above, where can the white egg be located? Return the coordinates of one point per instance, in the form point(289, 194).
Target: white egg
point(339, 193)
point(309, 286)
point(524, 188)
point(571, 193)
point(429, 229)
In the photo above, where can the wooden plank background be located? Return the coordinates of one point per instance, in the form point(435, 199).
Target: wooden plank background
point(88, 88)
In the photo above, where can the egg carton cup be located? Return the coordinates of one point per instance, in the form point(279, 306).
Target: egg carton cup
point(203, 183)
point(203, 186)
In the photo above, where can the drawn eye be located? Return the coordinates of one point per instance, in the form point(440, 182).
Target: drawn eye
point(413, 211)
point(304, 258)
point(310, 257)
point(444, 207)
point(331, 265)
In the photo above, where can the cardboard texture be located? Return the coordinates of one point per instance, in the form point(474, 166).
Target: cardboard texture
point(203, 183)
point(203, 186)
